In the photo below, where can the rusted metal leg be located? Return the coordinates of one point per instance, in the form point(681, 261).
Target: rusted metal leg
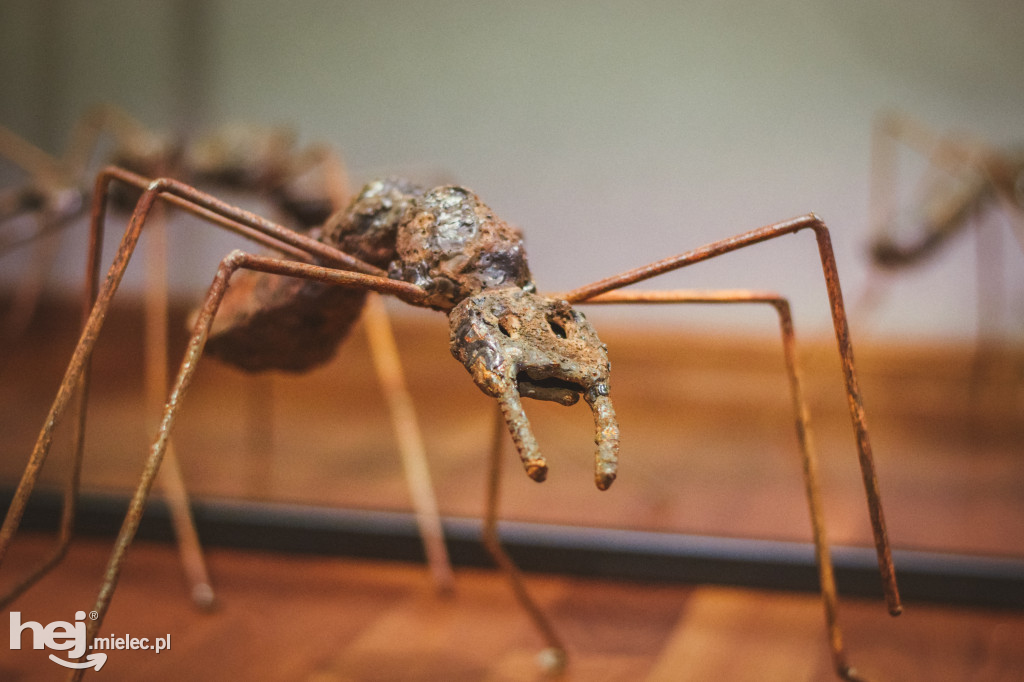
point(156, 382)
point(69, 505)
point(809, 456)
point(152, 465)
point(808, 452)
point(410, 440)
point(842, 332)
point(391, 377)
point(553, 659)
point(69, 496)
point(171, 480)
point(76, 379)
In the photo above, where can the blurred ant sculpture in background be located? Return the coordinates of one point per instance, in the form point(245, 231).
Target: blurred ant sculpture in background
point(966, 181)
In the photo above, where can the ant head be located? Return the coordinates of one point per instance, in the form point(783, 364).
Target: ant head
point(518, 344)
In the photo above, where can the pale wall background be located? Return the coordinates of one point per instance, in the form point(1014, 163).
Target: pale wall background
point(613, 133)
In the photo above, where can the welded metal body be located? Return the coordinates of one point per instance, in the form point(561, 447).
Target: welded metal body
point(472, 266)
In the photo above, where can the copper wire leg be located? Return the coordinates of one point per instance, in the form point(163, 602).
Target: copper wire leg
point(69, 506)
point(75, 382)
point(391, 377)
point(842, 332)
point(554, 658)
point(156, 381)
point(156, 387)
point(413, 452)
point(48, 174)
point(808, 452)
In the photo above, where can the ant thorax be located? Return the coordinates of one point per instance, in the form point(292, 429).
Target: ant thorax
point(452, 245)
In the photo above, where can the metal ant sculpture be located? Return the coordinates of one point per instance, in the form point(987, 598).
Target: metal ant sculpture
point(257, 160)
point(55, 191)
point(966, 179)
point(303, 185)
point(442, 249)
point(975, 177)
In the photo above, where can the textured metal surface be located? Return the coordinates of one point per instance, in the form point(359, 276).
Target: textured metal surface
point(472, 265)
point(515, 343)
point(452, 245)
point(270, 322)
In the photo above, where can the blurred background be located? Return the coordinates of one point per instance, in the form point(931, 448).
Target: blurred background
point(613, 134)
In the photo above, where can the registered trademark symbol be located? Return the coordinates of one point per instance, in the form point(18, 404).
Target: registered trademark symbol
point(93, 615)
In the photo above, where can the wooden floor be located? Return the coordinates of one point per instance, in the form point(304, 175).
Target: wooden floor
point(708, 447)
point(306, 618)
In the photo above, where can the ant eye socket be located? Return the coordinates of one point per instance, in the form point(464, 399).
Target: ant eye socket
point(509, 325)
point(557, 328)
